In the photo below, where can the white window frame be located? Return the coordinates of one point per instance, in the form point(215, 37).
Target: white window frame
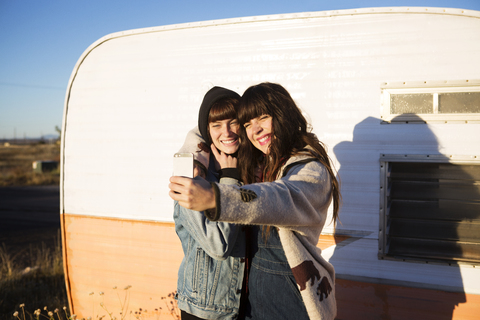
point(433, 87)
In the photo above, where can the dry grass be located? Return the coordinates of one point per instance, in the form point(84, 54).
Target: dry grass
point(33, 282)
point(16, 164)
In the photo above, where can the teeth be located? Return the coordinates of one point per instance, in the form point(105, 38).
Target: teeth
point(229, 141)
point(263, 139)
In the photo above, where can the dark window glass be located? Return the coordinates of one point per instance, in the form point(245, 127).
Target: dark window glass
point(433, 211)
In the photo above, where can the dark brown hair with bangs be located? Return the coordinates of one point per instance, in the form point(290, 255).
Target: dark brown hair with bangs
point(222, 109)
point(290, 135)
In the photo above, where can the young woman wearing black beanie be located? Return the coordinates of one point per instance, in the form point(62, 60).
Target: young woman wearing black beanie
point(211, 274)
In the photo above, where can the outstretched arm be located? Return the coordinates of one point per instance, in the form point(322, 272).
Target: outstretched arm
point(299, 199)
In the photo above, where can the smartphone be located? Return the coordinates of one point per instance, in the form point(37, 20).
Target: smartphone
point(183, 164)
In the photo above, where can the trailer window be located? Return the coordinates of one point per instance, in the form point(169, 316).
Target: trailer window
point(459, 102)
point(411, 103)
point(430, 209)
point(453, 101)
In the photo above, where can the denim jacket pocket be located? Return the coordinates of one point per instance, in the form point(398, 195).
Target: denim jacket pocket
point(205, 280)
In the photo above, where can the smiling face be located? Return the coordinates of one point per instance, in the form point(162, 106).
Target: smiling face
point(224, 135)
point(259, 132)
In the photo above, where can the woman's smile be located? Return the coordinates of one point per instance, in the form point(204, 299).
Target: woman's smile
point(224, 134)
point(264, 139)
point(259, 132)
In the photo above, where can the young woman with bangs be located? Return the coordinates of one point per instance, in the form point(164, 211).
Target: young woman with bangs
point(289, 186)
point(211, 274)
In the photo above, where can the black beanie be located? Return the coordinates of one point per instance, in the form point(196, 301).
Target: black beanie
point(212, 96)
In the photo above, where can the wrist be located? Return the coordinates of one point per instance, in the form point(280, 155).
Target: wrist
point(230, 173)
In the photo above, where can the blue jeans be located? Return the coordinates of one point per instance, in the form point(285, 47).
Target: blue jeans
point(273, 292)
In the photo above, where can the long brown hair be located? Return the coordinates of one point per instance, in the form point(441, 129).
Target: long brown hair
point(290, 131)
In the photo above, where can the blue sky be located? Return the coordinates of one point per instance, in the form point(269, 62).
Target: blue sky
point(41, 41)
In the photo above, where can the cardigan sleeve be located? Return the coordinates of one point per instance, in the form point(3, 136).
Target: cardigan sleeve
point(299, 199)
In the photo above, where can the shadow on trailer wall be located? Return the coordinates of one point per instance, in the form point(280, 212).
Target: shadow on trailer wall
point(421, 229)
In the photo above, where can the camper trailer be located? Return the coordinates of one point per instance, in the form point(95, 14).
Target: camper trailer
point(394, 93)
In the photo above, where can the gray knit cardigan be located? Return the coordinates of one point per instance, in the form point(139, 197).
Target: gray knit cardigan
point(297, 204)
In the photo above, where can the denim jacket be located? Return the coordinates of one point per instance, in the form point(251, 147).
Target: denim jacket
point(211, 274)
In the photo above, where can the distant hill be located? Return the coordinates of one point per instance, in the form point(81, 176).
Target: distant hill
point(27, 140)
point(50, 137)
